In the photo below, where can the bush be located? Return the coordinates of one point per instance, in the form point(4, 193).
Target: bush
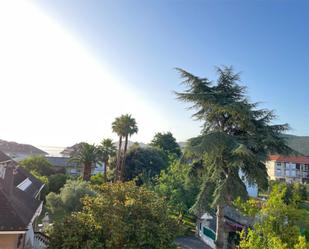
point(53, 202)
point(56, 182)
point(69, 198)
point(97, 179)
point(121, 215)
point(38, 164)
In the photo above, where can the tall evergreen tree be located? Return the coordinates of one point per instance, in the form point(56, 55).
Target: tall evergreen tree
point(236, 136)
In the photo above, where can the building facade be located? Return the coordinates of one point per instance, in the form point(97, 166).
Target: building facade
point(288, 168)
point(234, 222)
point(72, 168)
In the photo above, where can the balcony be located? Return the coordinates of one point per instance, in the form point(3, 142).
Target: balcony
point(41, 241)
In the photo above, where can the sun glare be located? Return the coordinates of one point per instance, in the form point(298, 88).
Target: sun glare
point(53, 89)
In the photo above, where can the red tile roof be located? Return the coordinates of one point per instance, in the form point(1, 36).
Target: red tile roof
point(290, 159)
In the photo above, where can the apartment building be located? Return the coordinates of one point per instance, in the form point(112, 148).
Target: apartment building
point(288, 168)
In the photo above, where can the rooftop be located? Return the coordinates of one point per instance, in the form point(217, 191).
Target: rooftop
point(290, 159)
point(18, 192)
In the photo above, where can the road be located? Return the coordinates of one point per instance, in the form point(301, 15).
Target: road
point(191, 243)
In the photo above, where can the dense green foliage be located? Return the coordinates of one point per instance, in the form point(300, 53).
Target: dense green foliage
point(120, 216)
point(167, 143)
point(236, 136)
point(144, 163)
point(97, 179)
point(69, 198)
point(38, 164)
point(56, 182)
point(178, 190)
point(278, 223)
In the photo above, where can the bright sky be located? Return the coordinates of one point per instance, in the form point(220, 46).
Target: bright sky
point(69, 67)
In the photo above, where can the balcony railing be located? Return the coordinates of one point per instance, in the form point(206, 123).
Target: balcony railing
point(41, 241)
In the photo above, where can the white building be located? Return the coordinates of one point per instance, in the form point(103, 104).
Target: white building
point(288, 168)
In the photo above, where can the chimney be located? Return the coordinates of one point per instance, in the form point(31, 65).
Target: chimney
point(9, 179)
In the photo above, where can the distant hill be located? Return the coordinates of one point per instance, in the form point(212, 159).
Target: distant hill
point(298, 143)
point(19, 151)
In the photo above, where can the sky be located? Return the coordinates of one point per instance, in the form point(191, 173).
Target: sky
point(69, 67)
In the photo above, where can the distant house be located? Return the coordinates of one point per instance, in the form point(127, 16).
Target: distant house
point(71, 168)
point(234, 222)
point(64, 163)
point(288, 168)
point(19, 206)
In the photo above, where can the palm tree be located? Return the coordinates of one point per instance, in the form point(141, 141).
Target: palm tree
point(118, 129)
point(107, 149)
point(87, 155)
point(124, 126)
point(130, 128)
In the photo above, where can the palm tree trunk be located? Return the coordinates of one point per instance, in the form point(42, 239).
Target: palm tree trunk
point(124, 158)
point(220, 227)
point(118, 158)
point(87, 172)
point(105, 171)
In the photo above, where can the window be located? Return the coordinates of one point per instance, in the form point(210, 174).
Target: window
point(209, 233)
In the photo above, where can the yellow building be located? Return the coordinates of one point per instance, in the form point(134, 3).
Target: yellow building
point(288, 168)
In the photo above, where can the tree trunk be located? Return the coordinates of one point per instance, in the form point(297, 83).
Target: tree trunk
point(124, 158)
point(220, 228)
point(105, 170)
point(118, 158)
point(87, 171)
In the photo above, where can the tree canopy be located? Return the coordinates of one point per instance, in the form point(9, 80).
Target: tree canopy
point(177, 188)
point(278, 223)
point(107, 150)
point(69, 198)
point(125, 126)
point(167, 143)
point(120, 216)
point(144, 163)
point(236, 136)
point(39, 164)
point(86, 156)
